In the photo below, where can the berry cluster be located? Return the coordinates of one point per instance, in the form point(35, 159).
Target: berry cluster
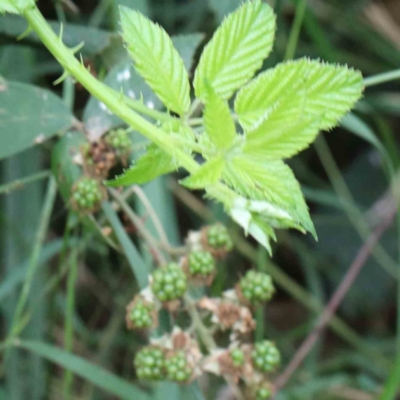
point(266, 356)
point(150, 363)
point(120, 141)
point(256, 287)
point(178, 368)
point(169, 282)
point(140, 314)
point(218, 238)
point(177, 357)
point(201, 263)
point(87, 194)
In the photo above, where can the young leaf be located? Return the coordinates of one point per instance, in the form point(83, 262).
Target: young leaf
point(210, 172)
point(236, 50)
point(148, 167)
point(156, 60)
point(273, 182)
point(296, 90)
point(219, 126)
point(277, 141)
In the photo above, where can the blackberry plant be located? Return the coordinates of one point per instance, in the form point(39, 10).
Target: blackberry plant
point(249, 126)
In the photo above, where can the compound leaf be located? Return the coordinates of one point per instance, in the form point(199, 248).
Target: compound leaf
point(236, 50)
point(148, 167)
point(156, 60)
point(219, 125)
point(296, 93)
point(273, 182)
point(274, 141)
point(210, 172)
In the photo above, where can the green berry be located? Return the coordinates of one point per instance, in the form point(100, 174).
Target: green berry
point(140, 315)
point(87, 194)
point(169, 282)
point(257, 287)
point(150, 363)
point(201, 263)
point(119, 140)
point(266, 356)
point(178, 369)
point(237, 356)
point(263, 393)
point(218, 238)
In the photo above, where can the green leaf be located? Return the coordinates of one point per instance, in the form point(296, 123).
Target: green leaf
point(236, 50)
point(210, 172)
point(148, 167)
point(86, 370)
point(64, 164)
point(219, 125)
point(295, 91)
point(123, 77)
point(273, 182)
point(156, 60)
point(28, 116)
point(277, 141)
point(15, 6)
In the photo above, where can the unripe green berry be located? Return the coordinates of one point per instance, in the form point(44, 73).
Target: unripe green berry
point(178, 368)
point(263, 393)
point(140, 315)
point(169, 282)
point(119, 140)
point(150, 363)
point(266, 357)
point(87, 194)
point(256, 287)
point(218, 238)
point(201, 263)
point(238, 358)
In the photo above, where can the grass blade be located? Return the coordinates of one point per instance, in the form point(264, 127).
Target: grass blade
point(92, 373)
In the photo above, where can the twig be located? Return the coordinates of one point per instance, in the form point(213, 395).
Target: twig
point(335, 301)
point(152, 214)
point(150, 241)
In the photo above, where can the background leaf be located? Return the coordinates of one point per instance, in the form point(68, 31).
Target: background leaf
point(236, 50)
point(64, 162)
point(156, 60)
point(28, 116)
point(222, 8)
point(92, 373)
